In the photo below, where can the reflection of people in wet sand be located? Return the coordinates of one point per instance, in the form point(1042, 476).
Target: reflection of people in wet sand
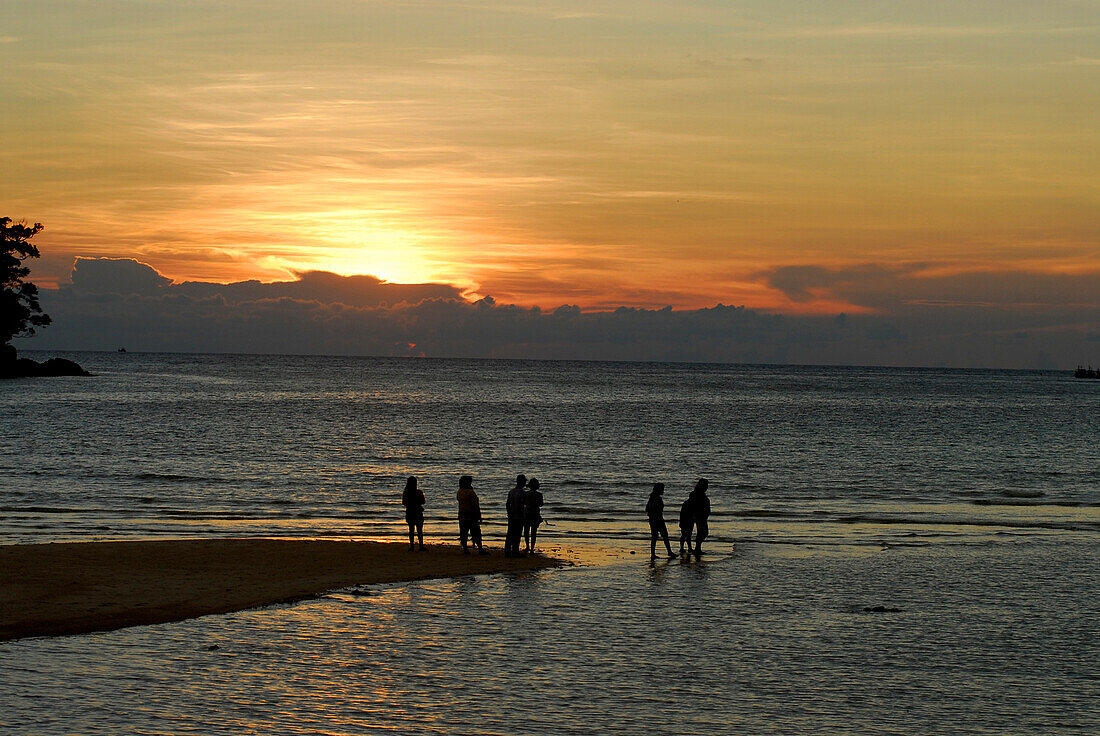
point(655, 510)
point(700, 510)
point(687, 522)
point(412, 498)
point(515, 509)
point(469, 515)
point(532, 514)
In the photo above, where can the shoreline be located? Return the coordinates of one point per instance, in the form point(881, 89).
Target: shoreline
point(65, 588)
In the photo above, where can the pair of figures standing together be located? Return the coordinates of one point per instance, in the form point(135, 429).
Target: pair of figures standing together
point(469, 513)
point(524, 514)
point(524, 507)
point(694, 513)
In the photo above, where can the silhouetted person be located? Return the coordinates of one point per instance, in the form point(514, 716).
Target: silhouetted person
point(655, 510)
point(687, 522)
point(700, 509)
point(412, 498)
point(469, 515)
point(532, 514)
point(515, 506)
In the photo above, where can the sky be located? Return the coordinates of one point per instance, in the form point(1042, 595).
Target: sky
point(927, 169)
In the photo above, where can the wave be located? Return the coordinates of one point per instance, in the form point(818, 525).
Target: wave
point(211, 514)
point(1026, 503)
point(179, 478)
point(763, 514)
point(1013, 493)
point(884, 545)
point(562, 509)
point(1010, 523)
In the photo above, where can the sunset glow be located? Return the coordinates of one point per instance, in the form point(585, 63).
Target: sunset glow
point(600, 155)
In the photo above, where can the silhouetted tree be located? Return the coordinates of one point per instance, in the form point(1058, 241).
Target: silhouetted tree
point(20, 311)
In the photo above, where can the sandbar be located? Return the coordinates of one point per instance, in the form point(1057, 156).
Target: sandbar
point(78, 587)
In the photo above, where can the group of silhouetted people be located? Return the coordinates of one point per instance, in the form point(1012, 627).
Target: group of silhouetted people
point(694, 513)
point(524, 509)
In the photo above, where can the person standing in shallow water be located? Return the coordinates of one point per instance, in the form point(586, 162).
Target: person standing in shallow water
point(469, 515)
point(532, 514)
point(515, 508)
point(700, 513)
point(687, 522)
point(655, 510)
point(412, 498)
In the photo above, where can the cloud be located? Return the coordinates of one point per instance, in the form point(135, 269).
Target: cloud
point(127, 277)
point(116, 276)
point(886, 288)
point(885, 332)
point(645, 135)
point(891, 29)
point(803, 284)
point(322, 286)
point(119, 302)
point(116, 302)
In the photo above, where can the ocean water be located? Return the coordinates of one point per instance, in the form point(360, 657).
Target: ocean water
point(211, 444)
point(966, 503)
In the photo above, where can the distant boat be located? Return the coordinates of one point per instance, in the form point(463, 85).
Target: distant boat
point(122, 350)
point(1086, 372)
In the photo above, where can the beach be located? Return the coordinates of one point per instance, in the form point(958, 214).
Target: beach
point(79, 587)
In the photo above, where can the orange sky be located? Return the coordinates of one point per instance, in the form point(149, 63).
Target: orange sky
point(597, 153)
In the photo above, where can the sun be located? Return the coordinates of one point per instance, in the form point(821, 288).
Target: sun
point(391, 255)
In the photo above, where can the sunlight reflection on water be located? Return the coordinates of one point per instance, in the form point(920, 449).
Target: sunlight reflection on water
point(967, 499)
point(989, 640)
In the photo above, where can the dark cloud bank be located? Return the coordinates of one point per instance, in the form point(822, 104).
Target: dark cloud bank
point(988, 319)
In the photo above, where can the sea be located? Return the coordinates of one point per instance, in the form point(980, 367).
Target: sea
point(892, 550)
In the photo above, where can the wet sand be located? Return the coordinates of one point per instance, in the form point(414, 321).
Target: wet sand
point(72, 588)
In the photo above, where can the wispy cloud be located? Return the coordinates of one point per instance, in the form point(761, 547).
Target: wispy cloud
point(888, 29)
point(912, 30)
point(632, 153)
